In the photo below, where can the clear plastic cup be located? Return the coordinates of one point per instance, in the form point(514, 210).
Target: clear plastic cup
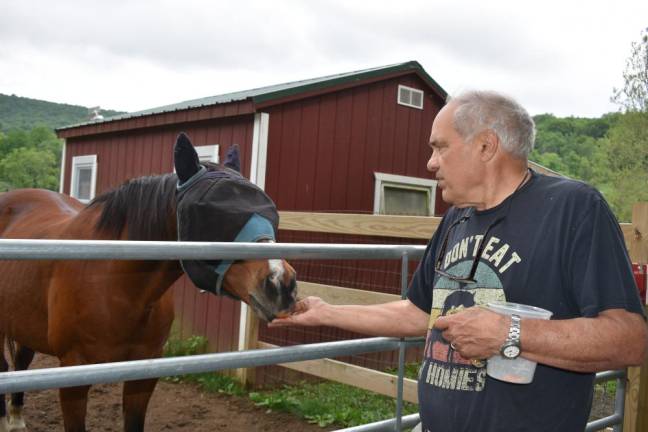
point(519, 370)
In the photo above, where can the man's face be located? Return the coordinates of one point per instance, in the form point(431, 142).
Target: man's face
point(454, 162)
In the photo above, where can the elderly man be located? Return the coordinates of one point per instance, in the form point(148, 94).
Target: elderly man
point(515, 235)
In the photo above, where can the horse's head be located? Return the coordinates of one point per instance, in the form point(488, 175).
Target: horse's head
point(217, 204)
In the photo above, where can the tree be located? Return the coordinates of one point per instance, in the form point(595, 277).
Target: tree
point(634, 94)
point(627, 158)
point(29, 168)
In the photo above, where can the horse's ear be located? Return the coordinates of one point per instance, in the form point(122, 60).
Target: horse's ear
point(185, 158)
point(233, 160)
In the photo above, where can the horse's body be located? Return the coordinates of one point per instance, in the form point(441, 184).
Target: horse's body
point(96, 311)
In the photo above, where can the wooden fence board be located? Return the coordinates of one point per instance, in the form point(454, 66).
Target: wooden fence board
point(416, 227)
point(356, 376)
point(339, 295)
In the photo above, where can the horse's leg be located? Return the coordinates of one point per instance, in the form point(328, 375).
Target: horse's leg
point(23, 359)
point(136, 398)
point(74, 400)
point(4, 367)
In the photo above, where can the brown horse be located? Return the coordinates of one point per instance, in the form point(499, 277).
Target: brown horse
point(113, 310)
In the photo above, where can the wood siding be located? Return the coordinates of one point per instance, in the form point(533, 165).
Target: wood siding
point(323, 151)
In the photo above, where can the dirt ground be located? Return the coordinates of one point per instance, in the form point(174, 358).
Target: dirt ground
point(184, 408)
point(173, 407)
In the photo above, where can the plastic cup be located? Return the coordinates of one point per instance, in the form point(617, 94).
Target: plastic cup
point(519, 370)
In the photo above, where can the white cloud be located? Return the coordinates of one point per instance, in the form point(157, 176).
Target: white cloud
point(560, 57)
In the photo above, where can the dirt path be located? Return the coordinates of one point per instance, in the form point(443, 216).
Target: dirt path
point(173, 407)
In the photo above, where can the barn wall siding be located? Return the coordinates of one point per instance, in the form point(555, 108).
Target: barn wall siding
point(324, 150)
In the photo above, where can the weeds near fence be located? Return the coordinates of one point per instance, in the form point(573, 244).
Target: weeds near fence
point(209, 381)
point(323, 404)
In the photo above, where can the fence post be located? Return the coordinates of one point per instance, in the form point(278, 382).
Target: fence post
point(247, 377)
point(636, 403)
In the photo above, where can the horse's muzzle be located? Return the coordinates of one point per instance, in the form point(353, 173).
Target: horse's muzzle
point(276, 297)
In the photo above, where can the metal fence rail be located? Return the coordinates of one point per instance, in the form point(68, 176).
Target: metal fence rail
point(71, 376)
point(150, 250)
point(141, 369)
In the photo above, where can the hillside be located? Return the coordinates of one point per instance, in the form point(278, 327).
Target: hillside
point(24, 113)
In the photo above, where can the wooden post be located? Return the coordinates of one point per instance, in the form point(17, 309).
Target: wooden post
point(247, 377)
point(636, 400)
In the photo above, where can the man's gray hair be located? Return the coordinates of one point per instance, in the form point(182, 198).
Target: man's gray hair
point(481, 110)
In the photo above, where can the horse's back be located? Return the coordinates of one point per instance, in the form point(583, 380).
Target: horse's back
point(35, 213)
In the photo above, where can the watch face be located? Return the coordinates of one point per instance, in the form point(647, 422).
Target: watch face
point(511, 351)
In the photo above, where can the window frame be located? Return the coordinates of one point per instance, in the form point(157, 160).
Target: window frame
point(403, 182)
point(411, 90)
point(79, 162)
point(208, 151)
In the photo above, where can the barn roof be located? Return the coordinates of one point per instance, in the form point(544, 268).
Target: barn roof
point(265, 95)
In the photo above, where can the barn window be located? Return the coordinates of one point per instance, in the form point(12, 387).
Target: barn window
point(403, 195)
point(208, 153)
point(84, 177)
point(410, 97)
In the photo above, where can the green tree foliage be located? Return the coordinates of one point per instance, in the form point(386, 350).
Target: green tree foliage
point(627, 162)
point(24, 113)
point(571, 145)
point(610, 153)
point(30, 159)
point(633, 96)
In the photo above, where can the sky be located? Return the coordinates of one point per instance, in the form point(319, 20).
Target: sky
point(560, 57)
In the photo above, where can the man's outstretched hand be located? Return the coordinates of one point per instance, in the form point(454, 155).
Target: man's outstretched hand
point(308, 312)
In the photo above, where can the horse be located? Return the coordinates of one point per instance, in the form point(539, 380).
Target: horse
point(97, 311)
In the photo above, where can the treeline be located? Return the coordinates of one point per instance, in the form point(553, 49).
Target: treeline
point(24, 113)
point(610, 153)
point(30, 152)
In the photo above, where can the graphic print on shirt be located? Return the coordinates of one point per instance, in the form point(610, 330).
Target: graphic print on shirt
point(443, 366)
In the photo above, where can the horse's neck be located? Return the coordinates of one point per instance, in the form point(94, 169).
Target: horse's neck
point(144, 282)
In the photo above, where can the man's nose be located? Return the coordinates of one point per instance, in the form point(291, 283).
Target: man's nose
point(433, 163)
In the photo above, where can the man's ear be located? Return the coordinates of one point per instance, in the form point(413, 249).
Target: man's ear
point(489, 144)
point(185, 158)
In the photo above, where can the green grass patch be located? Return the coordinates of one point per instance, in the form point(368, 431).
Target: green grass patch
point(608, 387)
point(328, 402)
point(212, 382)
point(323, 404)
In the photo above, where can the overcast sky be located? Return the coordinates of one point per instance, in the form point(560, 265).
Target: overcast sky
point(562, 57)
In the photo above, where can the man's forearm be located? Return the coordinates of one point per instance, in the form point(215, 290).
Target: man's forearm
point(399, 318)
point(613, 340)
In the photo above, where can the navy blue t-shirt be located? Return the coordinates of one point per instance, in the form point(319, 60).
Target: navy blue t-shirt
point(558, 247)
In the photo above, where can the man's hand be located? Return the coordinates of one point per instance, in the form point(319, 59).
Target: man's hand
point(476, 332)
point(308, 312)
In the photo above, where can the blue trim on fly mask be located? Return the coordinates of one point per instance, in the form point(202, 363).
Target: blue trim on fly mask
point(257, 228)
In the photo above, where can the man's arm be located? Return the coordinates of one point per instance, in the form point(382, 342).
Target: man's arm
point(399, 318)
point(614, 339)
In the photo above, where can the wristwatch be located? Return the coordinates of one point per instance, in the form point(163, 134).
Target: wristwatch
point(511, 347)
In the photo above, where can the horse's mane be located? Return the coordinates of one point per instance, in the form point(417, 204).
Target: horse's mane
point(145, 206)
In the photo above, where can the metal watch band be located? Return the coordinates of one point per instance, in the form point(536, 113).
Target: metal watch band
point(514, 330)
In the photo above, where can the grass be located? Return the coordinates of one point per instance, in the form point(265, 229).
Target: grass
point(323, 403)
point(608, 387)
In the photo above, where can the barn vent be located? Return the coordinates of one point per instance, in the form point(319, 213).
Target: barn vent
point(410, 97)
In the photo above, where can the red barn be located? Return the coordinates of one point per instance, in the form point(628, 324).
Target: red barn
point(353, 142)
